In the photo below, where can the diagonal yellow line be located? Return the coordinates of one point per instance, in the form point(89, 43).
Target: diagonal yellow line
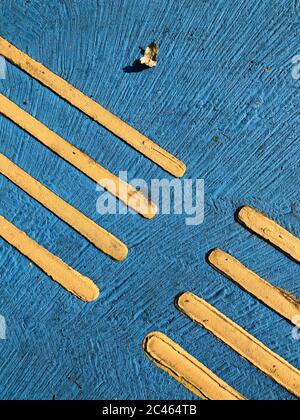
point(187, 370)
point(91, 108)
point(125, 192)
point(270, 231)
point(241, 341)
point(55, 268)
point(98, 236)
point(278, 300)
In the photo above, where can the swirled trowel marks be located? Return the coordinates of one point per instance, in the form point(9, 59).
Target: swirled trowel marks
point(55, 268)
point(170, 357)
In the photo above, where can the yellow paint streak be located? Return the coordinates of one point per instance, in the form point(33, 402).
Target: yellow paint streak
point(98, 236)
point(125, 192)
point(170, 357)
point(56, 269)
point(241, 341)
point(278, 300)
point(270, 231)
point(91, 108)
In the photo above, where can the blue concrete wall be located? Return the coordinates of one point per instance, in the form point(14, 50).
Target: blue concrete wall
point(210, 101)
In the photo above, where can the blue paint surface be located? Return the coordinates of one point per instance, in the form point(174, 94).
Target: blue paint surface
point(223, 100)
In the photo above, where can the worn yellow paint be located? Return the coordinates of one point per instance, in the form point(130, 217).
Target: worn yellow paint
point(277, 299)
point(55, 268)
point(91, 108)
point(170, 357)
point(270, 231)
point(98, 236)
point(240, 341)
point(116, 186)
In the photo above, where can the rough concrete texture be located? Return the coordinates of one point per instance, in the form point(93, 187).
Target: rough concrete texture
point(224, 101)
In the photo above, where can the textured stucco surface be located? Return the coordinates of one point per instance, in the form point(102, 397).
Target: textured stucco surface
point(211, 102)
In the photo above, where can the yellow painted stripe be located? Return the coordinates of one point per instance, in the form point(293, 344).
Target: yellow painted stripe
point(170, 357)
point(56, 269)
point(241, 341)
point(270, 231)
point(98, 236)
point(125, 192)
point(91, 108)
point(276, 299)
